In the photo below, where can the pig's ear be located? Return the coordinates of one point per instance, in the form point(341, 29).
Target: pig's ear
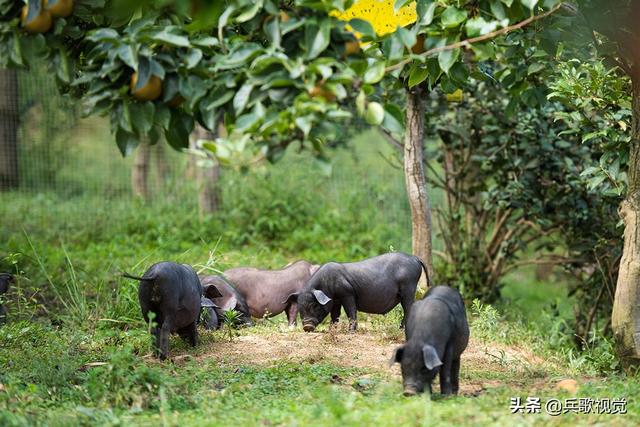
point(430, 355)
point(206, 302)
point(396, 357)
point(313, 269)
point(321, 296)
point(211, 292)
point(292, 298)
point(230, 304)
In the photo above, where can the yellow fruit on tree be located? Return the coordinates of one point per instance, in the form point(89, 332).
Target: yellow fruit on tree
point(150, 91)
point(418, 48)
point(380, 14)
point(284, 16)
point(38, 24)
point(59, 8)
point(322, 92)
point(351, 47)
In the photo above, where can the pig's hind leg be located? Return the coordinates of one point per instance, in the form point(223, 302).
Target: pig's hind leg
point(190, 334)
point(163, 338)
point(446, 371)
point(407, 297)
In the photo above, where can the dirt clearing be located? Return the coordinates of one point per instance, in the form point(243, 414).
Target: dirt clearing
point(368, 351)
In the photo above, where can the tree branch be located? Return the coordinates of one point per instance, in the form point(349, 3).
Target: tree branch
point(468, 42)
point(391, 139)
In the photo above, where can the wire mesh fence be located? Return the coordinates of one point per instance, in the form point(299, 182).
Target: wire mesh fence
point(60, 153)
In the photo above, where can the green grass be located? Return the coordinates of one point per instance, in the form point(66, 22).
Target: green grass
point(76, 350)
point(50, 381)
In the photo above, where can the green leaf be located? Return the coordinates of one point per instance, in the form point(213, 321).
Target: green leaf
point(205, 41)
point(447, 58)
point(142, 116)
point(408, 37)
point(363, 27)
point(64, 72)
point(193, 58)
point(126, 141)
point(375, 114)
point(180, 127)
point(529, 3)
point(103, 35)
point(497, 9)
point(536, 67)
point(223, 19)
point(483, 51)
point(479, 27)
point(241, 98)
point(163, 116)
point(393, 119)
point(304, 123)
point(250, 12)
point(170, 88)
point(165, 36)
point(247, 121)
point(375, 72)
point(272, 30)
point(219, 96)
point(317, 38)
point(127, 54)
point(425, 10)
point(417, 75)
point(156, 69)
point(399, 4)
point(452, 17)
point(125, 117)
point(144, 72)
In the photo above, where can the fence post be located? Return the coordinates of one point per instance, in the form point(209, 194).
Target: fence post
point(9, 121)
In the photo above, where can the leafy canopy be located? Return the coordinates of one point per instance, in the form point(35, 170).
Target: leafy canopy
point(274, 72)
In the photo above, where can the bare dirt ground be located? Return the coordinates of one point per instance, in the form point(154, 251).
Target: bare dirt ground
point(371, 352)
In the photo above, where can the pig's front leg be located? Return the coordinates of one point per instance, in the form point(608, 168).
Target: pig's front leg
point(292, 313)
point(455, 376)
point(349, 304)
point(335, 312)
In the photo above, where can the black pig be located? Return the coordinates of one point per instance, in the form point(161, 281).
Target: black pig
point(437, 333)
point(226, 297)
point(375, 285)
point(209, 316)
point(5, 280)
point(172, 292)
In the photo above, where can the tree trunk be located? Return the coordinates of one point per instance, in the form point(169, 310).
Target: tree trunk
point(208, 176)
point(9, 121)
point(415, 179)
point(161, 166)
point(140, 172)
point(626, 306)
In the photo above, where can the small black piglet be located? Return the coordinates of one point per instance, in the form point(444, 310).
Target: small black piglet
point(437, 333)
point(173, 293)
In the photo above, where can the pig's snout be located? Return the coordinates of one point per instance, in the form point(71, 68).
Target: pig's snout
point(308, 326)
point(410, 391)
